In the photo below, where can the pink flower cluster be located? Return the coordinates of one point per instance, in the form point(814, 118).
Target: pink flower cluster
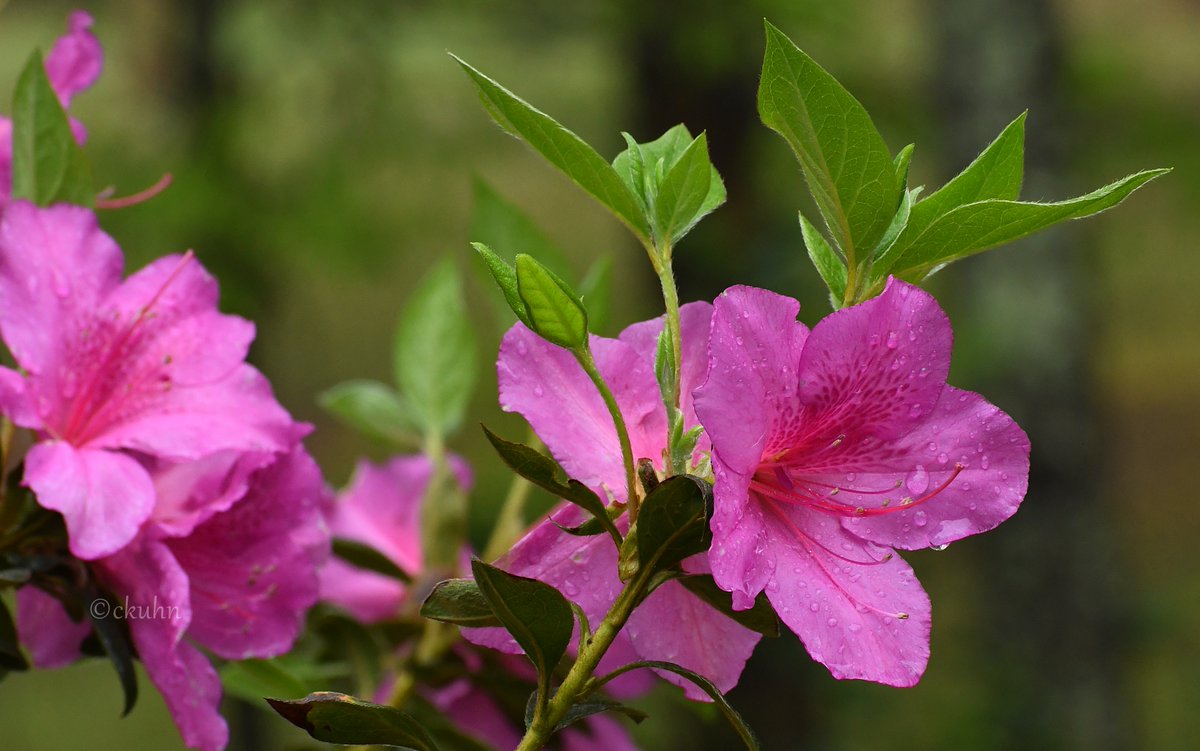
point(180, 478)
point(830, 449)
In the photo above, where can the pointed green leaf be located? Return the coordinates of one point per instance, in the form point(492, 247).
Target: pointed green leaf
point(760, 617)
point(544, 472)
point(690, 190)
point(845, 161)
point(829, 264)
point(367, 558)
point(434, 355)
point(113, 635)
point(47, 164)
point(460, 602)
point(739, 725)
point(996, 173)
point(373, 409)
point(673, 522)
point(595, 705)
point(555, 311)
point(562, 148)
point(638, 159)
point(902, 162)
point(889, 246)
point(536, 614)
point(506, 280)
point(339, 718)
point(978, 226)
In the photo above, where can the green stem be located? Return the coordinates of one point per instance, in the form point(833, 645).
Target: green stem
point(578, 680)
point(584, 356)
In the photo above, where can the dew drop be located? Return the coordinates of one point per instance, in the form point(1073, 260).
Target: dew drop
point(914, 410)
point(814, 607)
point(832, 622)
point(522, 348)
point(739, 341)
point(854, 628)
point(942, 458)
point(920, 519)
point(891, 340)
point(538, 391)
point(917, 481)
point(983, 461)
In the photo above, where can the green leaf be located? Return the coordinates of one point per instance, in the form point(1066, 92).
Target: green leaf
point(996, 173)
point(364, 556)
point(829, 264)
point(845, 161)
point(739, 725)
point(47, 164)
point(690, 190)
point(434, 357)
point(373, 409)
point(595, 705)
point(640, 159)
point(562, 148)
point(887, 251)
point(113, 635)
point(253, 679)
point(460, 602)
point(975, 227)
point(544, 472)
point(338, 718)
point(673, 522)
point(10, 646)
point(555, 311)
point(536, 615)
point(902, 162)
point(506, 279)
point(760, 617)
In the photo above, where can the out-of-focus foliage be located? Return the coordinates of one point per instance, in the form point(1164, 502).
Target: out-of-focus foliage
point(324, 156)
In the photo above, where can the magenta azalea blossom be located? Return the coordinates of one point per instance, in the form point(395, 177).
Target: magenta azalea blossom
point(832, 447)
point(72, 66)
point(118, 373)
point(381, 508)
point(545, 384)
point(237, 581)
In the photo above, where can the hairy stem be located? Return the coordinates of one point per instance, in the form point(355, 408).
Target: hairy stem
point(576, 684)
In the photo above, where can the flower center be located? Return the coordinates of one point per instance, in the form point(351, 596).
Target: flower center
point(784, 485)
point(121, 371)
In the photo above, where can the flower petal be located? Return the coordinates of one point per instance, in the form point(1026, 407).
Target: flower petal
point(547, 386)
point(45, 629)
point(103, 496)
point(749, 398)
point(597, 733)
point(740, 536)
point(694, 321)
point(14, 402)
point(875, 370)
point(75, 61)
point(858, 608)
point(56, 266)
point(963, 428)
point(253, 569)
point(676, 626)
point(157, 596)
point(189, 493)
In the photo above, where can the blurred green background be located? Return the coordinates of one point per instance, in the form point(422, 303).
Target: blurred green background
point(324, 156)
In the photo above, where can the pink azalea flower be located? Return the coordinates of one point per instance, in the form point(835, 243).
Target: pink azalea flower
point(72, 66)
point(381, 508)
point(229, 564)
point(830, 448)
point(116, 373)
point(545, 384)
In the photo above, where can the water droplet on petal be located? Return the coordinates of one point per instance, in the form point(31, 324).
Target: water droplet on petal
point(920, 519)
point(891, 340)
point(983, 461)
point(832, 622)
point(917, 481)
point(943, 458)
point(814, 607)
point(854, 628)
point(538, 391)
point(914, 410)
